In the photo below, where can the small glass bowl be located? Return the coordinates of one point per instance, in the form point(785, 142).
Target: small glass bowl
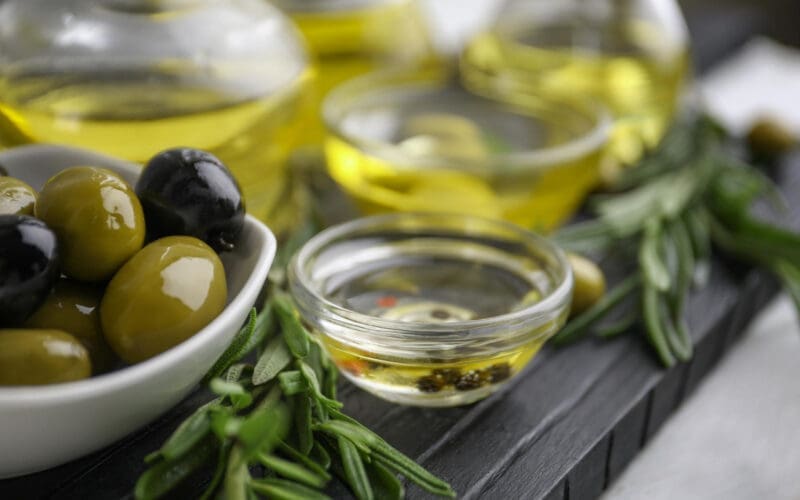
point(431, 309)
point(420, 142)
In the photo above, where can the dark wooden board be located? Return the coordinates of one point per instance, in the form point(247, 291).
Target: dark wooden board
point(563, 430)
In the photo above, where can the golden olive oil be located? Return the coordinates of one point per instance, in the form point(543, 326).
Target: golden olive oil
point(352, 37)
point(440, 149)
point(135, 114)
point(630, 68)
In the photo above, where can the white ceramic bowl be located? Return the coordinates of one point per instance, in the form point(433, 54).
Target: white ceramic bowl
point(41, 427)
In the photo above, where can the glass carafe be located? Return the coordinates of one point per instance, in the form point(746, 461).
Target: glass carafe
point(351, 37)
point(630, 55)
point(133, 77)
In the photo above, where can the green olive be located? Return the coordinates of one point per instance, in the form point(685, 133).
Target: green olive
point(769, 138)
point(16, 197)
point(590, 283)
point(163, 295)
point(38, 357)
point(97, 218)
point(74, 307)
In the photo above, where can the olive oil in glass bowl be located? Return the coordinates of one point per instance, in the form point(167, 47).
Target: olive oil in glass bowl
point(630, 55)
point(419, 142)
point(347, 38)
point(130, 78)
point(430, 309)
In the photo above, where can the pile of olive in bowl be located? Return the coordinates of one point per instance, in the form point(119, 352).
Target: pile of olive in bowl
point(96, 273)
point(52, 423)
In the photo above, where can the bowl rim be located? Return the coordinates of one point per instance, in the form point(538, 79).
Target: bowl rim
point(336, 104)
point(302, 285)
point(134, 374)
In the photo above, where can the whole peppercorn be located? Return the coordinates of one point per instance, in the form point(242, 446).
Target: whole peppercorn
point(498, 373)
point(430, 383)
point(448, 375)
point(468, 381)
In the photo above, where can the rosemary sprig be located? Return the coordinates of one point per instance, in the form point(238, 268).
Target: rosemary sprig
point(276, 429)
point(689, 193)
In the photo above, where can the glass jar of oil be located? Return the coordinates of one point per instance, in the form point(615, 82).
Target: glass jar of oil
point(352, 37)
point(431, 310)
point(130, 78)
point(420, 142)
point(630, 55)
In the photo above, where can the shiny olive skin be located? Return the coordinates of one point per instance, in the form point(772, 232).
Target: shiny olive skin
point(190, 192)
point(98, 220)
point(29, 266)
point(16, 197)
point(74, 307)
point(39, 357)
point(163, 295)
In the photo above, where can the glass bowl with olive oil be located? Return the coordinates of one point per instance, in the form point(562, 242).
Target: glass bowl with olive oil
point(431, 309)
point(420, 142)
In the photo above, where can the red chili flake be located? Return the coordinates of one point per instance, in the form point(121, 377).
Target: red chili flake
point(387, 301)
point(354, 366)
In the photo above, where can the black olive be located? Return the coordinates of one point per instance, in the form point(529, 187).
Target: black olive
point(29, 266)
point(190, 192)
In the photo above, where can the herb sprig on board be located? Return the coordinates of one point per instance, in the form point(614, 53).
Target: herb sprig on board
point(276, 428)
point(690, 194)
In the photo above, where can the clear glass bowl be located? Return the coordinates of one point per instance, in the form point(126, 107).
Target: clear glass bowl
point(431, 309)
point(421, 142)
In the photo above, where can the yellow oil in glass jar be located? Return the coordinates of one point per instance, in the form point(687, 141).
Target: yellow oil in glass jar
point(422, 143)
point(352, 37)
point(131, 78)
point(633, 60)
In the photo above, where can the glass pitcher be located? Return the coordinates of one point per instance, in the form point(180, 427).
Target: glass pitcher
point(133, 77)
point(352, 37)
point(630, 55)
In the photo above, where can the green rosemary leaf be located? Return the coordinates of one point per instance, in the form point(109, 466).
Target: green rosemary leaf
point(354, 470)
point(294, 333)
point(292, 382)
point(280, 489)
point(319, 467)
point(224, 423)
point(273, 359)
point(654, 270)
point(302, 423)
point(262, 430)
point(331, 377)
point(236, 476)
point(293, 471)
point(244, 341)
point(654, 327)
point(579, 325)
point(619, 327)
point(235, 392)
point(313, 384)
point(219, 471)
point(188, 434)
point(362, 438)
point(396, 461)
point(320, 454)
point(164, 475)
point(385, 485)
